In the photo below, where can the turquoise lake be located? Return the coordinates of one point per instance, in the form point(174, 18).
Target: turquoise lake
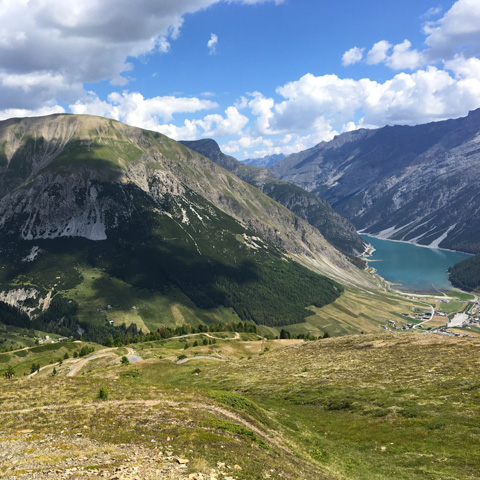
point(410, 267)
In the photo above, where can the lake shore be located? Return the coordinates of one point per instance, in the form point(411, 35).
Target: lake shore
point(409, 242)
point(408, 270)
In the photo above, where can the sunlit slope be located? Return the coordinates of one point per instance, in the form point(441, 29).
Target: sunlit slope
point(134, 227)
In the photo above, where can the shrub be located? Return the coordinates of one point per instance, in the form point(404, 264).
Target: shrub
point(125, 360)
point(130, 373)
point(35, 368)
point(103, 393)
point(339, 403)
point(10, 372)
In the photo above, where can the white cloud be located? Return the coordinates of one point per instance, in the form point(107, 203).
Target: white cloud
point(152, 113)
point(432, 12)
point(464, 67)
point(316, 108)
point(134, 109)
point(261, 107)
point(457, 31)
point(212, 44)
point(354, 55)
point(21, 112)
point(378, 53)
point(404, 57)
point(163, 45)
point(312, 98)
point(189, 131)
point(215, 125)
point(81, 41)
point(243, 143)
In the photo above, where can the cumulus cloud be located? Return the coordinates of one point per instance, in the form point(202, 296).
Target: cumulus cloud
point(213, 125)
point(378, 53)
point(153, 113)
point(354, 55)
point(261, 108)
point(212, 44)
point(57, 46)
point(405, 57)
point(457, 31)
point(311, 98)
point(243, 143)
point(323, 105)
point(21, 112)
point(134, 109)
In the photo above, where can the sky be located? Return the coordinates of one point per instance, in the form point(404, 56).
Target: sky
point(258, 76)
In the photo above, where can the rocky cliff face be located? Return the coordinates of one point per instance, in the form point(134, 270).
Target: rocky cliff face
point(417, 184)
point(335, 228)
point(82, 176)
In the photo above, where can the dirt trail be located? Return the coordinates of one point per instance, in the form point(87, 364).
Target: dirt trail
point(83, 361)
point(201, 357)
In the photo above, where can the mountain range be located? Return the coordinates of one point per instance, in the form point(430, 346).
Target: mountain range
point(131, 226)
point(266, 161)
point(411, 183)
point(336, 229)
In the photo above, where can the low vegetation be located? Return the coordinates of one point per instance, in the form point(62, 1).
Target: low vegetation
point(357, 407)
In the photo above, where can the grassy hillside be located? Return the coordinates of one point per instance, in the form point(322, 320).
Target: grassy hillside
point(354, 408)
point(157, 271)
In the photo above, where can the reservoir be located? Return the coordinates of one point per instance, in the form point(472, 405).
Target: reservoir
point(410, 267)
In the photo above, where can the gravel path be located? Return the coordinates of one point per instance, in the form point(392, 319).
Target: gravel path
point(201, 357)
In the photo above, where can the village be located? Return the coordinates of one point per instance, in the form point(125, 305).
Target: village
point(444, 317)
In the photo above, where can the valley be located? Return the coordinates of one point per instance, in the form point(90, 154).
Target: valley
point(168, 320)
point(239, 240)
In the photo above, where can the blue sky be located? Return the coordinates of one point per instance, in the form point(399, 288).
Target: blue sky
point(259, 76)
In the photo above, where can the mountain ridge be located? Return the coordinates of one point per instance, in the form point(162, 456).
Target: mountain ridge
point(105, 214)
point(335, 228)
point(411, 183)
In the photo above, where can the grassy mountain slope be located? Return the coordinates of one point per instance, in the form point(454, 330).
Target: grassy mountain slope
point(335, 228)
point(131, 226)
point(354, 408)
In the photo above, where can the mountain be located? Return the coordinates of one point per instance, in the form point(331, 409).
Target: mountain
point(266, 161)
point(466, 274)
point(105, 223)
point(335, 228)
point(412, 183)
